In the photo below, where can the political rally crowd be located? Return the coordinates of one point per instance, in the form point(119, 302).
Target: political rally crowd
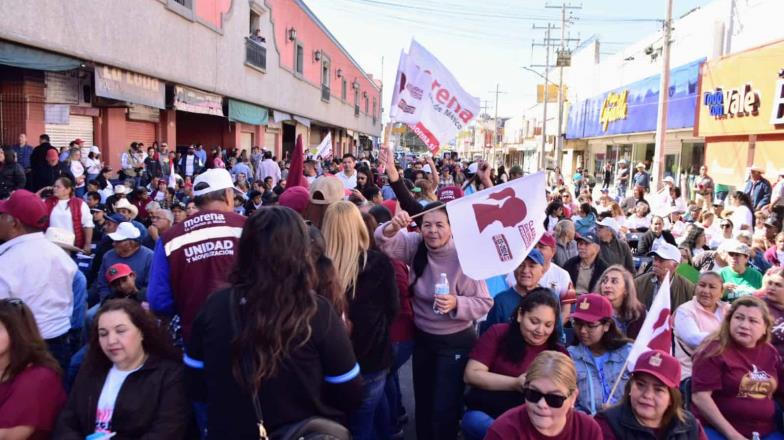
point(225, 294)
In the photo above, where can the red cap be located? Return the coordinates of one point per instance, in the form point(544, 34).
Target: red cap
point(661, 366)
point(449, 193)
point(117, 271)
point(296, 198)
point(592, 307)
point(52, 154)
point(27, 207)
point(78, 141)
point(547, 240)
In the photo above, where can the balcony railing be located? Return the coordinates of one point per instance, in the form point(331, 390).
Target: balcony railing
point(324, 92)
point(255, 54)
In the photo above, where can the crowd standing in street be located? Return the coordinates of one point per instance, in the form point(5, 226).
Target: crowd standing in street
point(215, 293)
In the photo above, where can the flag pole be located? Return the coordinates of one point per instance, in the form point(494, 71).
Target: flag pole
point(430, 210)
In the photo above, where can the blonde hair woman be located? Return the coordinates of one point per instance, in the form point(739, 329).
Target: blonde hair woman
point(550, 392)
point(617, 285)
point(368, 280)
point(736, 374)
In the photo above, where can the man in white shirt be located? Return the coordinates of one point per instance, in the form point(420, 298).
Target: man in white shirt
point(36, 271)
point(268, 168)
point(349, 175)
point(309, 170)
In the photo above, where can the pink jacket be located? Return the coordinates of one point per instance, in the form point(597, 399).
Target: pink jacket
point(473, 298)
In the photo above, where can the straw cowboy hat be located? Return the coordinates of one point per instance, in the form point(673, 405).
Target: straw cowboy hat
point(125, 204)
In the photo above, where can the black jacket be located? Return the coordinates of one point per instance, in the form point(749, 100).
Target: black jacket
point(371, 311)
point(625, 426)
point(12, 177)
point(617, 252)
point(151, 403)
point(646, 241)
point(46, 175)
point(573, 267)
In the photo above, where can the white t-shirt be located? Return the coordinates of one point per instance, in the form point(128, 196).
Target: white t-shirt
point(349, 182)
point(77, 169)
point(556, 278)
point(60, 217)
point(741, 215)
point(109, 392)
point(634, 222)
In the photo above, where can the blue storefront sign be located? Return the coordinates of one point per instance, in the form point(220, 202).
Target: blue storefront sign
point(633, 108)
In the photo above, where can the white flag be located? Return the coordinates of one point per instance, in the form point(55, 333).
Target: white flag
point(495, 229)
point(656, 331)
point(324, 149)
point(450, 108)
point(410, 94)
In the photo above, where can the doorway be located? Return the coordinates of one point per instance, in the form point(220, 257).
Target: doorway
point(289, 138)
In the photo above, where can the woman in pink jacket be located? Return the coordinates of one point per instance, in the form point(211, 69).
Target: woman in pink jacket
point(444, 323)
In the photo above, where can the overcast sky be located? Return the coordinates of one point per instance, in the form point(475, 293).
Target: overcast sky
point(482, 43)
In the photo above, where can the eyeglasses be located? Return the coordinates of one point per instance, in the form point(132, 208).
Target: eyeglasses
point(576, 323)
point(553, 400)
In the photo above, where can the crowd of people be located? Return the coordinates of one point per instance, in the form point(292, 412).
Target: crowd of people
point(225, 294)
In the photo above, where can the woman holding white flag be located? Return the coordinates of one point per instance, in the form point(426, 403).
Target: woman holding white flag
point(651, 407)
point(444, 322)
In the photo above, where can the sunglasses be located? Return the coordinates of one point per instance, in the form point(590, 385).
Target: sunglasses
point(552, 400)
point(725, 226)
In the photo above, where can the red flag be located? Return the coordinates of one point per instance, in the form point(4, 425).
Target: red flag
point(296, 178)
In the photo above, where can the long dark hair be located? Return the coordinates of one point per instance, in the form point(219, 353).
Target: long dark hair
point(155, 339)
point(744, 199)
point(513, 346)
point(27, 346)
point(275, 275)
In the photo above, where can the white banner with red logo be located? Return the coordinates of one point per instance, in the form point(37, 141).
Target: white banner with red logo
point(656, 331)
point(495, 229)
point(324, 149)
point(450, 108)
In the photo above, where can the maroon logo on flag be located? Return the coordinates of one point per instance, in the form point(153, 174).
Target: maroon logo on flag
point(502, 247)
point(661, 337)
point(527, 232)
point(509, 213)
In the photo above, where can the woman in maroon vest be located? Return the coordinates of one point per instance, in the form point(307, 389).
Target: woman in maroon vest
point(70, 213)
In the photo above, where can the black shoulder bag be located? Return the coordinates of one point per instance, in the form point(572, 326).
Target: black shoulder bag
point(312, 428)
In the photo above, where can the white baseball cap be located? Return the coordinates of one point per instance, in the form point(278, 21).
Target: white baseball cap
point(668, 179)
point(609, 222)
point(214, 179)
point(666, 251)
point(125, 231)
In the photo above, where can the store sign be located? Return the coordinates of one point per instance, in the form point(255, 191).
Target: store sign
point(132, 87)
point(732, 103)
point(634, 108)
point(758, 91)
point(196, 101)
point(614, 108)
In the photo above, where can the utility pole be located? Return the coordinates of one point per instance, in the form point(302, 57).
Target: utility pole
point(664, 85)
point(495, 125)
point(542, 161)
point(564, 60)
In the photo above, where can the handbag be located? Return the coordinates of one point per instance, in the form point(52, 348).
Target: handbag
point(312, 428)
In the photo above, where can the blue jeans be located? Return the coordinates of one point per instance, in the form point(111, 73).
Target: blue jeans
point(392, 410)
point(621, 192)
point(475, 425)
point(716, 435)
point(60, 348)
point(362, 421)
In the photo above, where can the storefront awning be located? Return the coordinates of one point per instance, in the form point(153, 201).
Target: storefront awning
point(247, 113)
point(303, 121)
point(280, 116)
point(25, 57)
point(122, 85)
point(195, 101)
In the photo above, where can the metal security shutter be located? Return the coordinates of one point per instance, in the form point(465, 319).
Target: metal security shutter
point(80, 127)
point(269, 141)
point(139, 132)
point(246, 141)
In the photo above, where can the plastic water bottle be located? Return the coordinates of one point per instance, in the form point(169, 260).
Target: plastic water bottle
point(442, 288)
point(755, 435)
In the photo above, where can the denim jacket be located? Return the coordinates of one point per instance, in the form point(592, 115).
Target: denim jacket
point(589, 383)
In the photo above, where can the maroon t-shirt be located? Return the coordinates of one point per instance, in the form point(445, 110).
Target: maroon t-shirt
point(515, 425)
point(743, 382)
point(33, 398)
point(488, 351)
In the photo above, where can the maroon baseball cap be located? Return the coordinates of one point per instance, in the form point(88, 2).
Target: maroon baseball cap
point(27, 207)
point(661, 366)
point(592, 307)
point(78, 141)
point(296, 198)
point(547, 240)
point(117, 271)
point(449, 193)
